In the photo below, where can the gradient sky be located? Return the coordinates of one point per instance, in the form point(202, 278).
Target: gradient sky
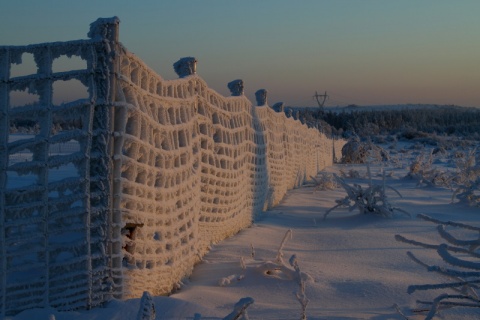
point(361, 52)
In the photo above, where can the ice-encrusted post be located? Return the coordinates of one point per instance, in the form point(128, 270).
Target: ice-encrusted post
point(43, 59)
point(147, 307)
point(105, 29)
point(278, 107)
point(185, 67)
point(4, 127)
point(261, 97)
point(105, 65)
point(236, 87)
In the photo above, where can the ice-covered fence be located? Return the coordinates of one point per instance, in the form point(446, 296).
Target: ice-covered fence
point(54, 225)
point(163, 169)
point(193, 167)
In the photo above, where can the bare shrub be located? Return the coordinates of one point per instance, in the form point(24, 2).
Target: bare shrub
point(463, 255)
point(468, 179)
point(324, 181)
point(370, 199)
point(424, 173)
point(351, 174)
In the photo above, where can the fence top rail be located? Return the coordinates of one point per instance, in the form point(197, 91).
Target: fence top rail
point(33, 47)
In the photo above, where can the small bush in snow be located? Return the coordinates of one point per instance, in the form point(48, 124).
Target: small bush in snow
point(468, 180)
point(463, 255)
point(324, 181)
point(351, 174)
point(422, 171)
point(370, 199)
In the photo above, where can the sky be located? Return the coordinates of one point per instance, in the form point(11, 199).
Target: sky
point(368, 52)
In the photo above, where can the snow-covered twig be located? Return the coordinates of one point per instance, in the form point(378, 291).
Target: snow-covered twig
point(465, 282)
point(240, 309)
point(279, 257)
point(301, 295)
point(449, 223)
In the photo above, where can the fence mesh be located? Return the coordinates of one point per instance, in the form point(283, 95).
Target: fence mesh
point(123, 191)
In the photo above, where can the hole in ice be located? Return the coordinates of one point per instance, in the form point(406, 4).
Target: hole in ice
point(19, 136)
point(68, 91)
point(22, 156)
point(22, 128)
point(63, 148)
point(23, 98)
point(64, 120)
point(132, 125)
point(64, 256)
point(27, 67)
point(33, 274)
point(134, 75)
point(64, 171)
point(215, 118)
point(130, 231)
point(182, 139)
point(23, 230)
point(15, 180)
point(22, 260)
point(77, 204)
point(64, 63)
point(67, 237)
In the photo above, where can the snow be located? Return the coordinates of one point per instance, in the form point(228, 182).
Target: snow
point(353, 267)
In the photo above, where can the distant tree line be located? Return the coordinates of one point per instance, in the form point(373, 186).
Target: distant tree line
point(409, 122)
point(442, 120)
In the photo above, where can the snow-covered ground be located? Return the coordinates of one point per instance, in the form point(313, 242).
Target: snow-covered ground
point(353, 266)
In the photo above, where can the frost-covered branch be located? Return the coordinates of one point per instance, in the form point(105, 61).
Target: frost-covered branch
point(411, 289)
point(449, 223)
point(465, 282)
point(301, 295)
point(370, 199)
point(447, 257)
point(279, 257)
point(471, 244)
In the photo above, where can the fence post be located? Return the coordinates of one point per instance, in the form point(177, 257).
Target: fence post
point(261, 97)
point(236, 87)
point(105, 66)
point(278, 107)
point(4, 130)
point(185, 67)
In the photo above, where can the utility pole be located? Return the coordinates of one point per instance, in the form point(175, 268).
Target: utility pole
point(324, 96)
